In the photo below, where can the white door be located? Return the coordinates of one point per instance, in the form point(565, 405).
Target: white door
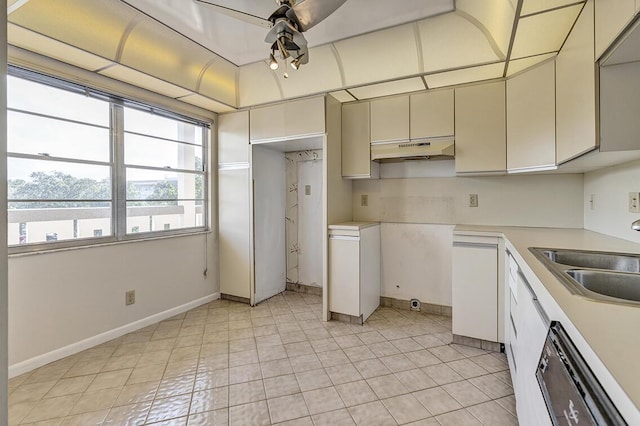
point(310, 222)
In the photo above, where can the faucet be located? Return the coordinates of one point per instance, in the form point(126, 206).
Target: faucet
point(636, 225)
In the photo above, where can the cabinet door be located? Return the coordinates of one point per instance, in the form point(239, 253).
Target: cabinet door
point(234, 221)
point(431, 114)
point(267, 122)
point(531, 118)
point(390, 119)
point(356, 141)
point(233, 138)
point(619, 107)
point(576, 90)
point(611, 17)
point(475, 290)
point(480, 128)
point(304, 117)
point(344, 275)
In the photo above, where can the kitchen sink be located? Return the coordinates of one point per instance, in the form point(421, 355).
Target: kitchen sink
point(613, 284)
point(601, 276)
point(596, 260)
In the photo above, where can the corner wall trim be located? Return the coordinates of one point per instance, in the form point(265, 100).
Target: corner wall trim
point(56, 354)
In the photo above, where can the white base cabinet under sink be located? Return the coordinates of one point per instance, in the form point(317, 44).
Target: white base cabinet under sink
point(354, 268)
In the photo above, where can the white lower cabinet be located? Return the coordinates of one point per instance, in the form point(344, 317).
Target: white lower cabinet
point(354, 268)
point(526, 324)
point(475, 287)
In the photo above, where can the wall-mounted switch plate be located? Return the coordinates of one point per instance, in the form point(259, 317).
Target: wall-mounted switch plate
point(634, 203)
point(307, 190)
point(364, 200)
point(473, 200)
point(130, 297)
point(592, 201)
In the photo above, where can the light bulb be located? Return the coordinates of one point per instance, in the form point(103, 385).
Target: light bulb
point(273, 64)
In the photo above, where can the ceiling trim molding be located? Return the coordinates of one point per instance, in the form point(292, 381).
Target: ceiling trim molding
point(487, 34)
point(202, 72)
point(125, 36)
point(336, 54)
point(15, 6)
point(516, 20)
point(416, 33)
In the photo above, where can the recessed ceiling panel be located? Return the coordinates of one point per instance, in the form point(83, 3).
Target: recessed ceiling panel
point(544, 32)
point(206, 103)
point(321, 74)
point(258, 85)
point(218, 81)
point(518, 65)
point(145, 81)
point(383, 55)
point(535, 6)
point(29, 40)
point(390, 88)
point(94, 26)
point(451, 41)
point(493, 17)
point(467, 75)
point(243, 43)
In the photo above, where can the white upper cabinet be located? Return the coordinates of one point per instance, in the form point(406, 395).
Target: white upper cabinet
point(233, 138)
point(531, 119)
point(288, 120)
point(390, 119)
point(576, 90)
point(356, 142)
point(611, 17)
point(480, 128)
point(431, 114)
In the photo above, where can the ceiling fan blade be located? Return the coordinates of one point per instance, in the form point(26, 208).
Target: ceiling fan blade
point(243, 16)
point(308, 13)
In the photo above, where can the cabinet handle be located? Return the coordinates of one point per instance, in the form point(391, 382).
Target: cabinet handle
point(534, 299)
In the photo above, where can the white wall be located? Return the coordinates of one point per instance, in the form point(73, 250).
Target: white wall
point(419, 213)
point(310, 231)
point(611, 187)
point(60, 298)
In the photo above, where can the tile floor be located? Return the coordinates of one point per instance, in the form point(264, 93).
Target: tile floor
point(277, 363)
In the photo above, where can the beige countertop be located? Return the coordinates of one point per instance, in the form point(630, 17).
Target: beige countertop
point(611, 330)
point(352, 226)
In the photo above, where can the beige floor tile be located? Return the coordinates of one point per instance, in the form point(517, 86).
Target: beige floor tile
point(431, 421)
point(508, 403)
point(371, 368)
point(278, 367)
point(465, 393)
point(446, 353)
point(281, 386)
point(385, 348)
point(245, 373)
point(51, 408)
point(19, 410)
point(208, 418)
point(270, 353)
point(491, 413)
point(405, 408)
point(252, 414)
point(458, 418)
point(70, 386)
point(387, 386)
point(121, 362)
point(348, 341)
point(490, 363)
point(287, 407)
point(85, 419)
point(169, 408)
point(467, 368)
point(332, 358)
point(95, 401)
point(136, 393)
point(437, 401)
point(415, 380)
point(356, 393)
point(242, 345)
point(305, 363)
point(371, 337)
point(323, 400)
point(314, 379)
point(298, 348)
point(155, 357)
point(428, 341)
point(492, 386)
point(334, 418)
point(149, 373)
point(359, 353)
point(237, 359)
point(210, 363)
point(442, 374)
point(243, 393)
point(53, 371)
point(343, 373)
point(397, 363)
point(210, 399)
point(173, 386)
point(182, 368)
point(211, 379)
point(181, 421)
point(110, 379)
point(134, 414)
point(372, 413)
point(407, 345)
point(324, 345)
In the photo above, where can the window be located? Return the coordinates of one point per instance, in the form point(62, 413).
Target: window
point(83, 165)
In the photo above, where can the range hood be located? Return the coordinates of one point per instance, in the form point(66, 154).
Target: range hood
point(419, 149)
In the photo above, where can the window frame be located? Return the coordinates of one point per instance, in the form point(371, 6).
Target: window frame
point(117, 166)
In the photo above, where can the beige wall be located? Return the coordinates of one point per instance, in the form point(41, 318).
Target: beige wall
point(611, 187)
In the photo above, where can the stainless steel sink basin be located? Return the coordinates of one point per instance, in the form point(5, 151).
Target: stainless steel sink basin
point(600, 276)
point(595, 260)
point(612, 284)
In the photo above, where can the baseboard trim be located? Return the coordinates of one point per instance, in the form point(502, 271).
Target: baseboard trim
point(425, 308)
point(56, 354)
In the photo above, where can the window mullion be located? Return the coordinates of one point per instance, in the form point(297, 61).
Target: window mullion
point(120, 177)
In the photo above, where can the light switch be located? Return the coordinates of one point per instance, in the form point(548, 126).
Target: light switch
point(634, 203)
point(307, 190)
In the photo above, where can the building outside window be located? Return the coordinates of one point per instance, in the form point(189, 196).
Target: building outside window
point(85, 166)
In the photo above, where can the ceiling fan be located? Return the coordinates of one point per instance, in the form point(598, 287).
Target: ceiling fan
point(286, 25)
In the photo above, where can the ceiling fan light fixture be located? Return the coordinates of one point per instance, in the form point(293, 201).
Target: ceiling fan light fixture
point(273, 64)
point(283, 50)
point(297, 62)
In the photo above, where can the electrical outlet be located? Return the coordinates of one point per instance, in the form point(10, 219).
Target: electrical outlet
point(364, 200)
point(473, 200)
point(130, 297)
point(634, 203)
point(307, 190)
